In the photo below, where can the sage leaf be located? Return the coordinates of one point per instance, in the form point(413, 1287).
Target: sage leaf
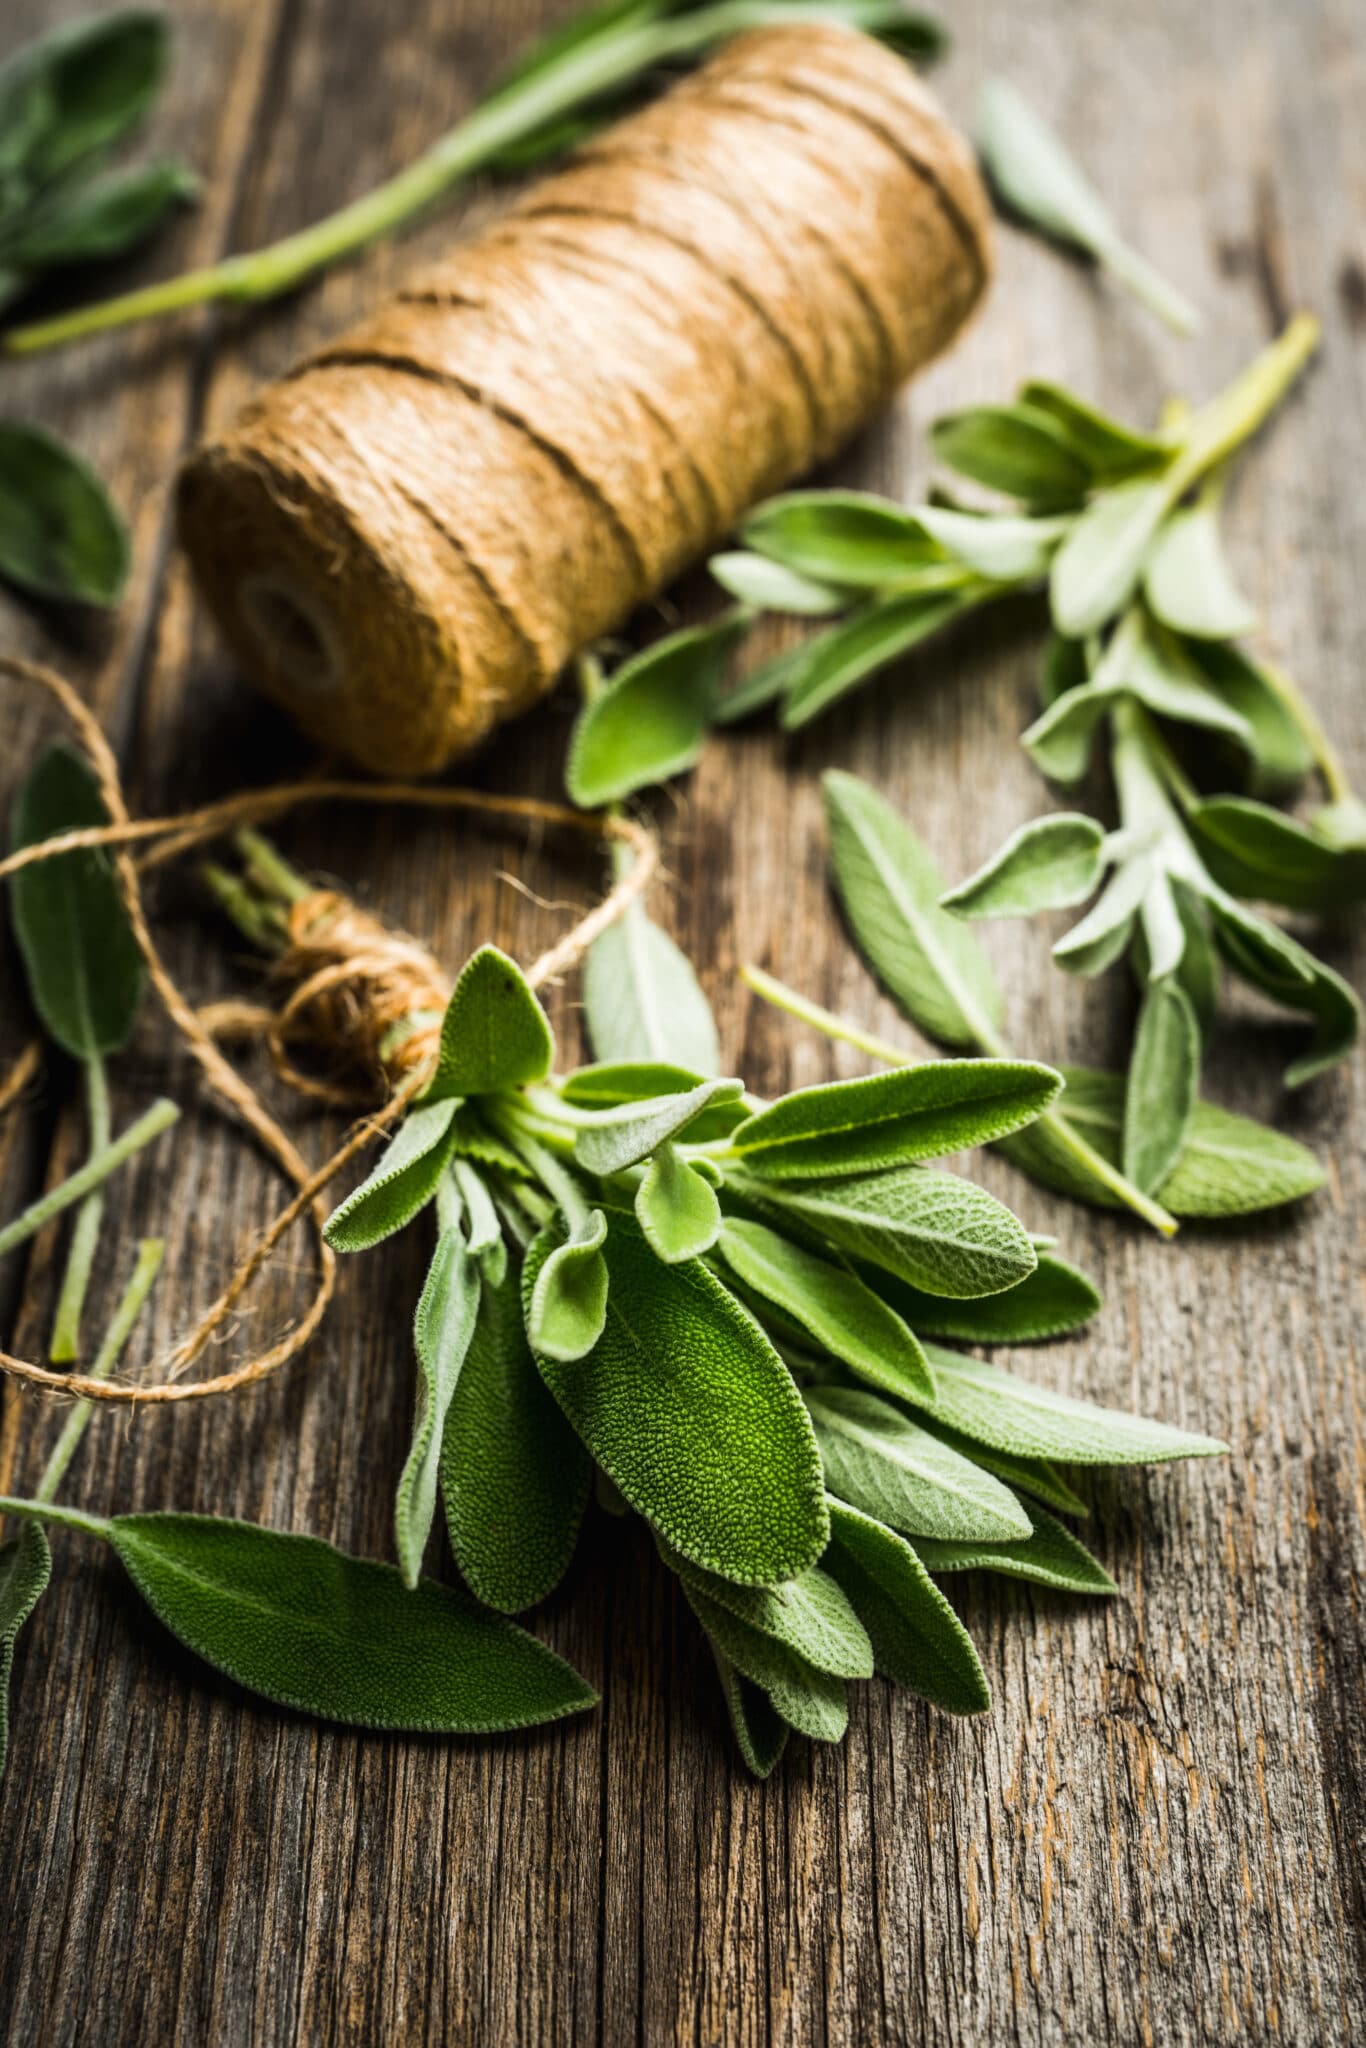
point(567, 1303)
point(933, 1229)
point(644, 1001)
point(1287, 972)
point(1097, 941)
point(406, 1179)
point(25, 1568)
point(612, 1083)
point(760, 1730)
point(338, 1637)
point(1048, 864)
point(1041, 181)
point(880, 1461)
point(1273, 736)
point(913, 1113)
point(483, 1230)
point(1051, 1301)
point(1253, 850)
point(691, 1412)
point(677, 1208)
point(809, 1700)
point(77, 91)
point(1003, 549)
point(995, 1408)
point(1097, 569)
point(60, 536)
point(1229, 1165)
point(82, 963)
point(834, 1306)
point(849, 539)
point(836, 661)
point(1109, 448)
point(95, 222)
point(1164, 1076)
point(890, 888)
point(472, 1139)
point(1163, 676)
point(1059, 741)
point(1037, 1477)
point(1051, 1556)
point(1015, 449)
point(762, 686)
point(623, 1136)
point(809, 1614)
point(514, 1477)
point(494, 1035)
point(772, 587)
point(442, 1328)
point(918, 1641)
point(1187, 581)
point(652, 718)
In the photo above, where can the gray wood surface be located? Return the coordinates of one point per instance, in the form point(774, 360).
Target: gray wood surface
point(1158, 1835)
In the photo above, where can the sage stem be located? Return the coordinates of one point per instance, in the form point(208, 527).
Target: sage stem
point(65, 1518)
point(92, 1175)
point(150, 1254)
point(66, 1329)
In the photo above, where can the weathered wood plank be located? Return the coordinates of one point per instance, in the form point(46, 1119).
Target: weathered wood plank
point(1158, 1832)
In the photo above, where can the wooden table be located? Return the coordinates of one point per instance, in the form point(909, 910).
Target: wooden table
point(1158, 1834)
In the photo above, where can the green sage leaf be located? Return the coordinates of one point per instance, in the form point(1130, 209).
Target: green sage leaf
point(688, 1408)
point(1097, 569)
point(442, 1328)
point(60, 536)
point(1051, 1301)
point(1252, 850)
point(495, 1035)
point(1187, 581)
point(566, 1304)
point(644, 1001)
point(652, 718)
point(93, 222)
point(82, 963)
point(809, 1614)
point(1287, 972)
point(918, 1641)
point(304, 1625)
point(839, 1310)
point(1051, 1556)
point(850, 539)
point(1037, 1477)
point(772, 587)
point(623, 1136)
point(1003, 549)
point(890, 888)
point(880, 1461)
point(1164, 1077)
point(514, 1476)
point(404, 1182)
point(809, 1700)
point(1049, 864)
point(1273, 736)
point(1108, 447)
point(1099, 938)
point(25, 1568)
point(80, 89)
point(611, 1083)
point(836, 661)
point(1015, 449)
point(677, 1208)
point(760, 1730)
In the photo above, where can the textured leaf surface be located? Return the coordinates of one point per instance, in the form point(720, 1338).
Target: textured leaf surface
point(1255, 851)
point(1048, 864)
point(25, 1568)
point(625, 1135)
point(677, 1208)
point(809, 1614)
point(300, 1623)
point(811, 1701)
point(912, 1113)
point(643, 1000)
point(994, 1407)
point(887, 1465)
point(1052, 1300)
point(688, 1408)
point(651, 720)
point(1017, 449)
point(760, 1730)
point(567, 1300)
point(494, 1035)
point(837, 660)
point(849, 538)
point(402, 1184)
point(442, 1328)
point(918, 1640)
point(1160, 1093)
point(1052, 1556)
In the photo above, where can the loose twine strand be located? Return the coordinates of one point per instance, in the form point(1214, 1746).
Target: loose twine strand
point(346, 947)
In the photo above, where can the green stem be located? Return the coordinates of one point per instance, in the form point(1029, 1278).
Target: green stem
point(1327, 759)
point(93, 1174)
point(66, 1328)
point(269, 870)
point(150, 1254)
point(1232, 418)
point(581, 75)
point(65, 1518)
point(784, 998)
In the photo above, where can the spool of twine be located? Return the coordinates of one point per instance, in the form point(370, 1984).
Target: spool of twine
point(408, 537)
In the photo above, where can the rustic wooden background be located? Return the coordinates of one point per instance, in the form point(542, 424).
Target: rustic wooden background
point(1158, 1834)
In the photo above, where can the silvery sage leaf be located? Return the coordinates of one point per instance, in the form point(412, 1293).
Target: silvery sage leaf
point(302, 1624)
point(834, 1306)
point(918, 1641)
point(1109, 447)
point(82, 963)
point(1252, 850)
point(1097, 569)
point(836, 661)
point(1052, 1557)
point(1037, 1477)
point(494, 1035)
point(1272, 735)
point(1165, 678)
point(60, 536)
point(688, 1408)
point(809, 1615)
point(404, 1182)
point(677, 1208)
point(625, 1135)
point(1003, 549)
point(1048, 864)
point(611, 1083)
point(566, 1303)
point(760, 1730)
point(1287, 972)
point(483, 1231)
point(1102, 935)
point(1015, 449)
point(770, 586)
point(890, 888)
point(1059, 741)
point(1009, 1414)
point(1053, 1300)
point(811, 1701)
point(442, 1328)
point(1164, 1077)
point(1037, 177)
point(651, 720)
point(643, 1000)
point(514, 1477)
point(1229, 1165)
point(936, 1230)
point(925, 1111)
point(851, 539)
point(1187, 581)
point(25, 1568)
point(880, 1461)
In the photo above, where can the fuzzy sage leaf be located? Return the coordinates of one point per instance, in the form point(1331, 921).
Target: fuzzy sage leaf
point(442, 1328)
point(918, 1641)
point(25, 1568)
point(880, 1461)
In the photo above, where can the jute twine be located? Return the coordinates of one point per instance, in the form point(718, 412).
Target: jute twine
point(408, 538)
point(355, 981)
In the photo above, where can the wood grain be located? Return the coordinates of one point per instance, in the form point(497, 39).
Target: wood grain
point(1158, 1835)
